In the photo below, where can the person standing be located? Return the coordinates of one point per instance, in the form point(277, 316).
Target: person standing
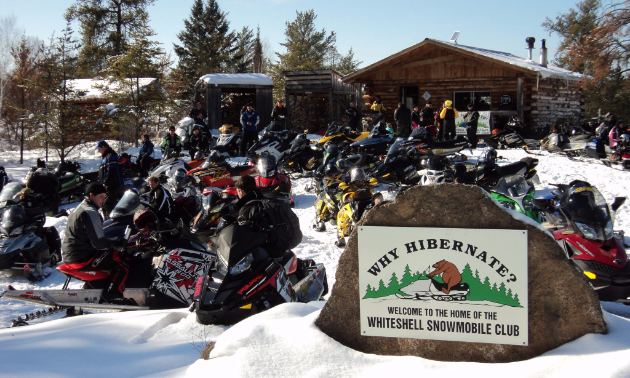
point(449, 114)
point(472, 118)
point(198, 115)
point(110, 175)
point(145, 155)
point(171, 141)
point(352, 116)
point(402, 116)
point(415, 117)
point(249, 120)
point(426, 115)
point(279, 115)
point(378, 106)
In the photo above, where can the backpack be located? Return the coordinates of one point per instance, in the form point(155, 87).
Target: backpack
point(284, 231)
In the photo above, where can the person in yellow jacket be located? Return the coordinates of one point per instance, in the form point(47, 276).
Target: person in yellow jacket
point(378, 106)
point(449, 114)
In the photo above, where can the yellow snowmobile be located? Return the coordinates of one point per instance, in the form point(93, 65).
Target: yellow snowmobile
point(357, 197)
point(341, 136)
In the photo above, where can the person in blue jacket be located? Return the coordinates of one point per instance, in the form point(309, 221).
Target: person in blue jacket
point(250, 120)
point(145, 155)
point(110, 175)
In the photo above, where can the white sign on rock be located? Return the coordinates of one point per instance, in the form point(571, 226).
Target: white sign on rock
point(444, 284)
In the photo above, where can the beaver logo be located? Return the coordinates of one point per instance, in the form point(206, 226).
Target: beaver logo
point(450, 274)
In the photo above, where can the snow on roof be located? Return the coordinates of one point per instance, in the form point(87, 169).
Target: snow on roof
point(91, 87)
point(545, 72)
point(236, 78)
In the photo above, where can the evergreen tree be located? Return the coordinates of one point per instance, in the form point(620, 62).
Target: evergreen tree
point(242, 61)
point(381, 286)
point(347, 64)
point(129, 83)
point(107, 27)
point(66, 124)
point(207, 43)
point(502, 288)
point(393, 282)
point(257, 58)
point(407, 277)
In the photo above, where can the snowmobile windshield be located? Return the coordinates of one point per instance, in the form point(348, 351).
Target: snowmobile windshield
point(332, 130)
point(267, 166)
point(274, 127)
point(587, 209)
point(128, 204)
point(10, 190)
point(297, 143)
point(235, 242)
point(512, 186)
point(13, 220)
point(332, 151)
point(378, 131)
point(394, 151)
point(213, 160)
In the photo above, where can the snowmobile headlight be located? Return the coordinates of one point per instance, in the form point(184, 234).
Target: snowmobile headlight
point(221, 266)
point(244, 264)
point(17, 231)
point(588, 231)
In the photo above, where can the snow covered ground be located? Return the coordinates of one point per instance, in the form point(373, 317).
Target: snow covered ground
point(283, 341)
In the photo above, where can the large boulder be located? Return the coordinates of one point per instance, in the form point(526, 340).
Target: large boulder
point(562, 305)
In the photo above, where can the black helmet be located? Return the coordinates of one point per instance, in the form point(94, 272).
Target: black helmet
point(145, 220)
point(342, 164)
point(419, 133)
point(267, 165)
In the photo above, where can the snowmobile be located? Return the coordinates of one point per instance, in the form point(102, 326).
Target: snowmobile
point(26, 246)
point(216, 172)
point(376, 144)
point(582, 223)
point(439, 169)
point(230, 140)
point(163, 276)
point(399, 167)
point(512, 184)
point(64, 185)
point(274, 141)
point(513, 135)
point(418, 291)
point(570, 140)
point(357, 197)
point(272, 182)
point(342, 136)
point(132, 169)
point(302, 156)
point(245, 280)
point(215, 206)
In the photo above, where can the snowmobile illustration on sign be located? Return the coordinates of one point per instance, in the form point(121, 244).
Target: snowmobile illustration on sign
point(451, 289)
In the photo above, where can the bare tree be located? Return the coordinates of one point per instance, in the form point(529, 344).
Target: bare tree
point(9, 38)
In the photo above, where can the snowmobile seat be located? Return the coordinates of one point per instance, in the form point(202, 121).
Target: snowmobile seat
point(462, 286)
point(513, 169)
point(452, 143)
point(83, 276)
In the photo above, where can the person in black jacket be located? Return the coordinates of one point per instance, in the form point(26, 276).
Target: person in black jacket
point(279, 115)
point(160, 200)
point(415, 117)
point(110, 175)
point(402, 116)
point(426, 115)
point(198, 115)
point(86, 248)
point(472, 118)
point(198, 141)
point(353, 117)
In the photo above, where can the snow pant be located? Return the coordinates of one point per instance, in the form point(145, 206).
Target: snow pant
point(250, 137)
point(111, 199)
point(449, 131)
point(440, 130)
point(404, 130)
point(106, 260)
point(145, 162)
point(471, 132)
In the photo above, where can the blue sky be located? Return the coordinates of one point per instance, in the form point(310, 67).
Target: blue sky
point(374, 29)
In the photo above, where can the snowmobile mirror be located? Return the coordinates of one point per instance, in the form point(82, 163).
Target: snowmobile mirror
point(617, 203)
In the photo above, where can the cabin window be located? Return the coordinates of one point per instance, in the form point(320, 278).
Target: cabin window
point(481, 99)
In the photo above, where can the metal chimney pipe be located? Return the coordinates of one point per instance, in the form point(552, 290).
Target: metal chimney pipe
point(530, 46)
point(543, 54)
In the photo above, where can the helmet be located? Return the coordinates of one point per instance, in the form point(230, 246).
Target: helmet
point(625, 140)
point(267, 165)
point(419, 133)
point(178, 179)
point(489, 157)
point(213, 159)
point(342, 164)
point(198, 155)
point(145, 220)
point(357, 174)
point(12, 219)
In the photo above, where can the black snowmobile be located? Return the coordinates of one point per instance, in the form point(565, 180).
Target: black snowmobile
point(302, 156)
point(245, 280)
point(375, 145)
point(275, 140)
